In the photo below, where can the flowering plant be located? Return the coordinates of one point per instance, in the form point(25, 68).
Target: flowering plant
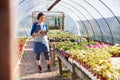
point(20, 44)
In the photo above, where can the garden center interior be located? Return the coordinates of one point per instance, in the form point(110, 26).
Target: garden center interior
point(84, 39)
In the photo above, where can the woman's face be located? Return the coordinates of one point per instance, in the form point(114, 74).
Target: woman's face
point(42, 18)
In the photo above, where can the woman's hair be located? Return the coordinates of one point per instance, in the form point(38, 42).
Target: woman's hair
point(39, 15)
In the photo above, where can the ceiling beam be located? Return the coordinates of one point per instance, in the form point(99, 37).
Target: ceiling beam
point(56, 2)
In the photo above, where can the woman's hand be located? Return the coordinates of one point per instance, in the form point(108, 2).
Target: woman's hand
point(36, 33)
point(45, 32)
point(39, 31)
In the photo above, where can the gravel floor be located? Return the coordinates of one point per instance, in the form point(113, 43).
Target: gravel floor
point(27, 68)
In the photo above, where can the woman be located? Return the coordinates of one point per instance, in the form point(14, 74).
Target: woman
point(39, 32)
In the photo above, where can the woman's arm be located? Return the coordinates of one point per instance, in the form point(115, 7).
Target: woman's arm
point(33, 31)
point(34, 34)
point(45, 32)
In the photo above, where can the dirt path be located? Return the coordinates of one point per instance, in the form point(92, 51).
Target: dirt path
point(28, 68)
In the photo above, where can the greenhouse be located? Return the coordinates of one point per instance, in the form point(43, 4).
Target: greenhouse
point(81, 37)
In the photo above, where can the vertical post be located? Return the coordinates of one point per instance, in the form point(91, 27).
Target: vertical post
point(33, 17)
point(63, 22)
point(72, 73)
point(60, 66)
point(52, 55)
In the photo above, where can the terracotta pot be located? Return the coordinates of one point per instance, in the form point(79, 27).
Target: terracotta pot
point(92, 71)
point(85, 65)
point(89, 69)
point(80, 62)
point(116, 55)
point(98, 76)
point(103, 78)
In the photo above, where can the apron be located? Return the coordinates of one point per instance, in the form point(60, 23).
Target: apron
point(41, 42)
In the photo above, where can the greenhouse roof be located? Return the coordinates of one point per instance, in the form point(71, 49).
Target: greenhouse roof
point(91, 17)
point(90, 8)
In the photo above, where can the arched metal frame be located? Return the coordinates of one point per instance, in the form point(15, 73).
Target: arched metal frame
point(70, 10)
point(118, 20)
point(110, 11)
point(79, 18)
point(83, 16)
point(103, 19)
point(26, 10)
point(92, 18)
point(47, 3)
point(43, 4)
point(21, 2)
point(90, 15)
point(26, 27)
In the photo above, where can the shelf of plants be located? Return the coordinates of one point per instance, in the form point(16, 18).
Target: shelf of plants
point(95, 57)
point(80, 70)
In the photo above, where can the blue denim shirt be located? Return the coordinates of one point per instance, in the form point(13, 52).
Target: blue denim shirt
point(35, 27)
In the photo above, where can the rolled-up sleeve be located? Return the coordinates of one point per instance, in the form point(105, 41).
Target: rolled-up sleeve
point(46, 27)
point(33, 29)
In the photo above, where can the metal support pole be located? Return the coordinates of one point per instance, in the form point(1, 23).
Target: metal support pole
point(72, 73)
point(60, 66)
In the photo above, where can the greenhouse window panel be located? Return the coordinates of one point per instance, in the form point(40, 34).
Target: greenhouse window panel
point(28, 11)
point(113, 5)
point(25, 5)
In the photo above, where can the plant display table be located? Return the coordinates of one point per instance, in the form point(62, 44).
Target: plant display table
point(74, 68)
point(90, 60)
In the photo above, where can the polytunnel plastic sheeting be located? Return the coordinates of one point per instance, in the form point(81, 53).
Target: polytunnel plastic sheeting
point(24, 6)
point(73, 10)
point(81, 16)
point(102, 9)
point(75, 17)
point(91, 14)
point(97, 19)
point(104, 26)
point(24, 29)
point(90, 19)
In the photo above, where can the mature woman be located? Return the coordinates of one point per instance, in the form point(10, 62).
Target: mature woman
point(41, 45)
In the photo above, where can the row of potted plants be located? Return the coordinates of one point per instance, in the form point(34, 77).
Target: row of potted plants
point(94, 56)
point(62, 36)
point(112, 49)
point(95, 60)
point(67, 45)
